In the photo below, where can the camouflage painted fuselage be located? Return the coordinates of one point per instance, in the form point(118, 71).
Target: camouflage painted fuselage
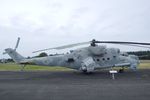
point(85, 59)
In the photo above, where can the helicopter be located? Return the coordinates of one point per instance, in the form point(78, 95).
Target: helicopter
point(86, 59)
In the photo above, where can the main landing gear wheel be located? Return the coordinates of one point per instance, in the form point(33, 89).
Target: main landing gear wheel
point(121, 70)
point(86, 72)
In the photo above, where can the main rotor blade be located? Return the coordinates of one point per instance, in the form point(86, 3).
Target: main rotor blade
point(120, 42)
point(135, 45)
point(64, 47)
point(17, 43)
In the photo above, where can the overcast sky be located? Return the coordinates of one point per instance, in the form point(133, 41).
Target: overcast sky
point(49, 23)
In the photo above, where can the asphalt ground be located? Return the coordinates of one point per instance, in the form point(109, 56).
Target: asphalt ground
point(73, 85)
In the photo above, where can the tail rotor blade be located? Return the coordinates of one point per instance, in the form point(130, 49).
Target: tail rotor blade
point(17, 43)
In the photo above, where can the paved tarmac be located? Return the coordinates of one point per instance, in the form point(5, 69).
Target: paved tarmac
point(73, 85)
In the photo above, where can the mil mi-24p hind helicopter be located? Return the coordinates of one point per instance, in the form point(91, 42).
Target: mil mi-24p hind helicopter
point(85, 59)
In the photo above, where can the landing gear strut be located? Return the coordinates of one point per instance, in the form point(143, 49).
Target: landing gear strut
point(22, 67)
point(121, 70)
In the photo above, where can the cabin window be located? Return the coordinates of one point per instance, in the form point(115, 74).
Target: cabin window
point(118, 51)
point(108, 58)
point(97, 59)
point(70, 60)
point(114, 56)
point(103, 59)
point(93, 59)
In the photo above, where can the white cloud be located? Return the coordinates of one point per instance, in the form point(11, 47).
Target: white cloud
point(48, 23)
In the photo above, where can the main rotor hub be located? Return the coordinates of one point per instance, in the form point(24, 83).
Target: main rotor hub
point(93, 43)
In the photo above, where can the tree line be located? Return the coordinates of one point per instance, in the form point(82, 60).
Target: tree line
point(143, 55)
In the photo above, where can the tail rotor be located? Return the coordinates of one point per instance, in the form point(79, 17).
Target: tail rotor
point(17, 43)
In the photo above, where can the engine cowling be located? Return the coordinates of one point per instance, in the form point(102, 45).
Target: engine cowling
point(97, 50)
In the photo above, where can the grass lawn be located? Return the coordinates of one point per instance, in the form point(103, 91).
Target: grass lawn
point(145, 64)
point(15, 67)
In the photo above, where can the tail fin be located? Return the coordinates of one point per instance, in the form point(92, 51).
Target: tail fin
point(14, 55)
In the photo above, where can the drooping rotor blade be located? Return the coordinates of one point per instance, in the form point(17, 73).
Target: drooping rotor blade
point(120, 42)
point(17, 43)
point(64, 47)
point(135, 45)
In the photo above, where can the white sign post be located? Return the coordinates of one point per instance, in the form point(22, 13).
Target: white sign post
point(113, 72)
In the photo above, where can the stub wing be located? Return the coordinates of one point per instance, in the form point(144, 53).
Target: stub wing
point(122, 64)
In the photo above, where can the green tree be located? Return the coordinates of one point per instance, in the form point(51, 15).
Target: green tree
point(143, 55)
point(43, 54)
